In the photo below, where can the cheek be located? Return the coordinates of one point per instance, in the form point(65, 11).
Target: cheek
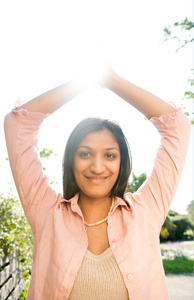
point(115, 169)
point(79, 167)
point(117, 166)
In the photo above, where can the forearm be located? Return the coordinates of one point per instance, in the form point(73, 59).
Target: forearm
point(147, 103)
point(54, 99)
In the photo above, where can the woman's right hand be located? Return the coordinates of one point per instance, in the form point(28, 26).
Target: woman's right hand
point(108, 78)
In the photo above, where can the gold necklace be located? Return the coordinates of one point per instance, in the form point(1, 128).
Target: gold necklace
point(103, 220)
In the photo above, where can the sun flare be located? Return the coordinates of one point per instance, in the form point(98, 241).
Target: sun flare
point(91, 68)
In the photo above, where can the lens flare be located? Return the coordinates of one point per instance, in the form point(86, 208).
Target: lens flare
point(93, 66)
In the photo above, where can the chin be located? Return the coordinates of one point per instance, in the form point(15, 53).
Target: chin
point(97, 195)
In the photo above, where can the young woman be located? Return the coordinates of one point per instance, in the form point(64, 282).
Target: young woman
point(94, 242)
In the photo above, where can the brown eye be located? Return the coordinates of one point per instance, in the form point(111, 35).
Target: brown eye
point(84, 154)
point(110, 155)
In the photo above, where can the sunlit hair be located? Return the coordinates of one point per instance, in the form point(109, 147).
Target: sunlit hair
point(85, 127)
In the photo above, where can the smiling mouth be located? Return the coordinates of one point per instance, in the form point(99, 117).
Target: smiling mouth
point(96, 179)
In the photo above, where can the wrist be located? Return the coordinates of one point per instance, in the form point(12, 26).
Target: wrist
point(114, 82)
point(111, 79)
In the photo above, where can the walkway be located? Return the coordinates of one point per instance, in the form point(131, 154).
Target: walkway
point(180, 287)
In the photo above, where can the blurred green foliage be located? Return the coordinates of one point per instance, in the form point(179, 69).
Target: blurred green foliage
point(176, 227)
point(136, 183)
point(15, 233)
point(182, 32)
point(190, 212)
point(46, 153)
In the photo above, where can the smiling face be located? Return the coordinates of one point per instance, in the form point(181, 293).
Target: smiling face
point(97, 164)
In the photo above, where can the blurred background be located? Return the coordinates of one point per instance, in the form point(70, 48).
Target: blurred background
point(45, 43)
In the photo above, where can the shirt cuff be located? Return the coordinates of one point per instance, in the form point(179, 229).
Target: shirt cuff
point(21, 112)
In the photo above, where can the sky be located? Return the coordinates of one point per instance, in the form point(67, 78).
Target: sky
point(45, 43)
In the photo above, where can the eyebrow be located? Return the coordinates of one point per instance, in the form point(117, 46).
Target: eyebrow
point(107, 149)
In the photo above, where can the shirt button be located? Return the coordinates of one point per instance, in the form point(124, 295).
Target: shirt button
point(114, 241)
point(129, 276)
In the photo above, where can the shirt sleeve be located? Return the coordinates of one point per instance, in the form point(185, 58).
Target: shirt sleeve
point(157, 193)
point(21, 130)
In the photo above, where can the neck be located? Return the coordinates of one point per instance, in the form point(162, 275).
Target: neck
point(93, 209)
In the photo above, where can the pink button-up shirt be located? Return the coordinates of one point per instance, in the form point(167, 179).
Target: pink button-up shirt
point(57, 224)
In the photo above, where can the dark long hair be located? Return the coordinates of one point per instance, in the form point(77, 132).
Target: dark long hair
point(85, 127)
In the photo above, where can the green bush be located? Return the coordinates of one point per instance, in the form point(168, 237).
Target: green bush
point(168, 230)
point(176, 228)
point(15, 233)
point(182, 225)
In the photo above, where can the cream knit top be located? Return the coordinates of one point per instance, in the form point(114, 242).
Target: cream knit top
point(99, 278)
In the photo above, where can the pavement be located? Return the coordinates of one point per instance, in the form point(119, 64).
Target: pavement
point(180, 287)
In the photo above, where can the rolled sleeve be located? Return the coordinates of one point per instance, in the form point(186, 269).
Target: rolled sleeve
point(158, 191)
point(21, 130)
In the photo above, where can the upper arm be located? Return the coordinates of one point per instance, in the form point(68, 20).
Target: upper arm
point(158, 191)
point(21, 129)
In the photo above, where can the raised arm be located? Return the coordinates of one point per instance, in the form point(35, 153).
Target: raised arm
point(52, 100)
point(147, 103)
point(158, 191)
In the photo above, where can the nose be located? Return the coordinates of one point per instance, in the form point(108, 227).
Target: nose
point(97, 165)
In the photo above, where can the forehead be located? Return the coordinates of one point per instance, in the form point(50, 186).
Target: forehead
point(102, 138)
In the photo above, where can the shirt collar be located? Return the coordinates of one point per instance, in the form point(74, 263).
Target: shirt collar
point(72, 200)
point(121, 202)
point(74, 204)
point(118, 202)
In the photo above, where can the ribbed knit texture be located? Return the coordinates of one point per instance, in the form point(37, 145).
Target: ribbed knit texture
point(99, 278)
